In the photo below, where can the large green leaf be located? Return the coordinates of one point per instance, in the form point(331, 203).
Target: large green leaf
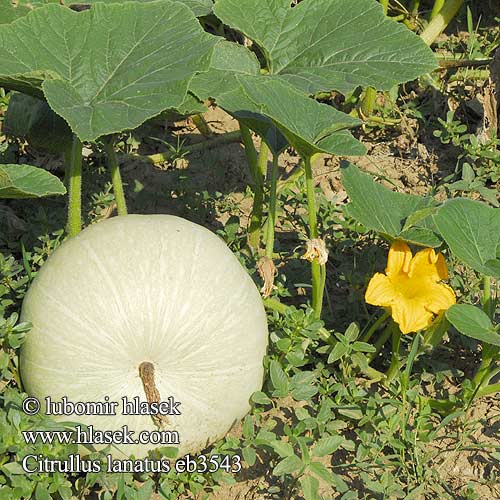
point(473, 322)
point(25, 181)
point(34, 120)
point(309, 127)
point(109, 68)
point(385, 211)
point(11, 10)
point(472, 231)
point(230, 60)
point(265, 104)
point(326, 45)
point(199, 7)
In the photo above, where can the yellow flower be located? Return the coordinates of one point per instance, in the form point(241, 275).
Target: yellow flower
point(411, 287)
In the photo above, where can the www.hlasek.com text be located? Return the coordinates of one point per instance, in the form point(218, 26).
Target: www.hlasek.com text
point(88, 435)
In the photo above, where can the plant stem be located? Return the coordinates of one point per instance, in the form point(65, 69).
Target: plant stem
point(250, 151)
point(436, 9)
point(275, 305)
point(435, 333)
point(311, 199)
point(381, 340)
point(394, 366)
point(469, 74)
point(257, 184)
point(271, 219)
point(321, 289)
point(488, 389)
point(74, 169)
point(441, 21)
point(368, 335)
point(443, 406)
point(116, 178)
point(385, 5)
point(255, 227)
point(318, 274)
point(368, 102)
point(67, 163)
point(481, 375)
point(202, 125)
point(487, 304)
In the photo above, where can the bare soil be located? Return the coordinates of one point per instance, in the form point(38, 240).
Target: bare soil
point(400, 161)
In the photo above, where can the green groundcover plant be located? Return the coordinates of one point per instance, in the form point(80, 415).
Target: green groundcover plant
point(85, 73)
point(149, 69)
point(471, 230)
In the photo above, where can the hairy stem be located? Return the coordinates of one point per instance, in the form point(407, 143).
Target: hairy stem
point(481, 375)
point(318, 274)
point(311, 199)
point(487, 303)
point(436, 8)
point(448, 11)
point(368, 102)
point(74, 169)
point(380, 321)
point(202, 125)
point(271, 219)
point(275, 305)
point(435, 333)
point(250, 151)
point(394, 366)
point(116, 178)
point(255, 228)
point(382, 340)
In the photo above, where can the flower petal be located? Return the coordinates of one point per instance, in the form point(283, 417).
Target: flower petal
point(428, 264)
point(439, 298)
point(380, 291)
point(411, 315)
point(399, 258)
point(441, 267)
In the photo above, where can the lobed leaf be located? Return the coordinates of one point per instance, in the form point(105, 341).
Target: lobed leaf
point(10, 10)
point(324, 45)
point(385, 211)
point(471, 321)
point(109, 68)
point(267, 106)
point(472, 231)
point(33, 119)
point(26, 181)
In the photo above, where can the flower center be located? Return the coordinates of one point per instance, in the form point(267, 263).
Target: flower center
point(408, 288)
